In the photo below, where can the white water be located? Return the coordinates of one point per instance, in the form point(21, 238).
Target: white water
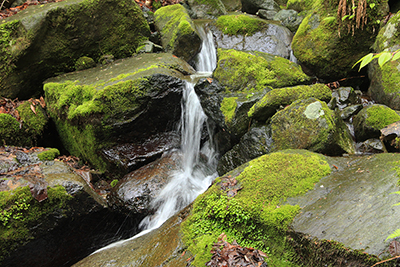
point(195, 175)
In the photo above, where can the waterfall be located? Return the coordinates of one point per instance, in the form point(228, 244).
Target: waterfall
point(195, 174)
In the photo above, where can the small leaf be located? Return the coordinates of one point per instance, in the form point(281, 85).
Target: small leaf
point(351, 17)
point(396, 55)
point(383, 58)
point(345, 17)
point(372, 5)
point(364, 60)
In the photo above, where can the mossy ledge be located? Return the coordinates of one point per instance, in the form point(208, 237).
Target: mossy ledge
point(255, 216)
point(20, 211)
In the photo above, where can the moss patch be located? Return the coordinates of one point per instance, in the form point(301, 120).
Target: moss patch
point(254, 216)
point(268, 105)
point(228, 108)
point(379, 116)
point(9, 128)
point(251, 72)
point(50, 154)
point(20, 211)
point(240, 24)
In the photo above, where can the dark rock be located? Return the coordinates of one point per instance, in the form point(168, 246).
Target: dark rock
point(252, 6)
point(289, 18)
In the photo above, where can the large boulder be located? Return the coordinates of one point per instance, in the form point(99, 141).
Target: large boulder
point(46, 208)
point(178, 33)
point(249, 33)
point(44, 40)
point(329, 46)
point(310, 124)
point(118, 117)
point(385, 80)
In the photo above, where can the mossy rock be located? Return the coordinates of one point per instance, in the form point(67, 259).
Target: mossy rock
point(250, 210)
point(326, 53)
point(276, 98)
point(371, 119)
point(250, 72)
point(28, 131)
point(124, 102)
point(50, 154)
point(178, 33)
point(385, 80)
point(206, 9)
point(84, 63)
point(310, 124)
point(44, 40)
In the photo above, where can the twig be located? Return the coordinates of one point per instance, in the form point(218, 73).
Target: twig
point(385, 261)
point(2, 3)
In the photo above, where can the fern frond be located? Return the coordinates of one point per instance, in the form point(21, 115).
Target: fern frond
point(394, 235)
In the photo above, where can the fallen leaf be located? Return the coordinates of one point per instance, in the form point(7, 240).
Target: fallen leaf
point(33, 109)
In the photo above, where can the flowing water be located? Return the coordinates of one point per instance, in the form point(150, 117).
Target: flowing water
point(196, 173)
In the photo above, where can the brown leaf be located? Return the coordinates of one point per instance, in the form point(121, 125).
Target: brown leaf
point(42, 102)
point(209, 80)
point(394, 248)
point(33, 109)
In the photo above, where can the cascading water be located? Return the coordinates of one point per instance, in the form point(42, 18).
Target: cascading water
point(195, 175)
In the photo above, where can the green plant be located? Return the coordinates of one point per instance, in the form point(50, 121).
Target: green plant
point(113, 182)
point(383, 57)
point(15, 211)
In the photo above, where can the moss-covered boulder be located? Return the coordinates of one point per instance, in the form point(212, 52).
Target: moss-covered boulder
point(117, 117)
point(44, 40)
point(274, 99)
point(27, 130)
point(207, 9)
point(385, 81)
point(250, 72)
point(310, 124)
point(371, 119)
point(329, 45)
point(250, 33)
point(178, 33)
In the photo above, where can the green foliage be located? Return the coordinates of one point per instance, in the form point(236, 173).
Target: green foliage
point(240, 24)
point(255, 216)
point(50, 154)
point(114, 183)
point(383, 57)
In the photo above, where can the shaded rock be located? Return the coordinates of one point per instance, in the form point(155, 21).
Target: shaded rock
point(371, 146)
point(252, 6)
point(266, 14)
point(321, 129)
point(327, 54)
point(256, 142)
point(390, 136)
point(141, 251)
point(207, 9)
point(345, 96)
point(232, 5)
point(134, 102)
point(350, 111)
point(136, 190)
point(44, 40)
point(385, 80)
point(289, 18)
point(178, 34)
point(249, 33)
point(277, 98)
point(371, 120)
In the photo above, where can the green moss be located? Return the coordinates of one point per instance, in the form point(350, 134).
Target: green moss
point(268, 105)
point(20, 211)
point(379, 116)
point(255, 216)
point(228, 108)
point(33, 123)
point(390, 76)
point(240, 24)
point(9, 128)
point(50, 154)
point(84, 63)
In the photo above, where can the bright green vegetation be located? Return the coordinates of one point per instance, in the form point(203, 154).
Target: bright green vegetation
point(84, 63)
point(380, 116)
point(9, 126)
point(254, 71)
point(391, 77)
point(267, 106)
point(228, 108)
point(114, 183)
point(240, 24)
point(50, 154)
point(19, 211)
point(255, 216)
point(28, 131)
